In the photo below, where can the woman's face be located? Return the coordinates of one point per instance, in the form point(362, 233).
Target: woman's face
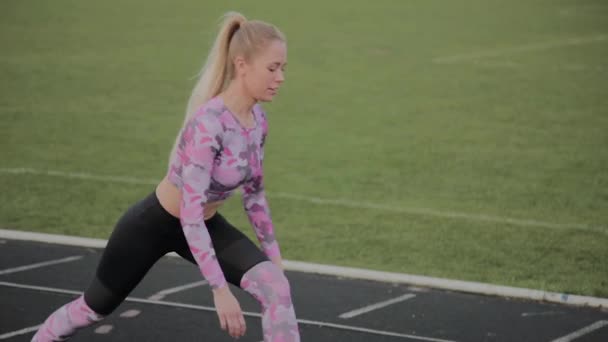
point(264, 74)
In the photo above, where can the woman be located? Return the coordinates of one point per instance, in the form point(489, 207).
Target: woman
point(219, 148)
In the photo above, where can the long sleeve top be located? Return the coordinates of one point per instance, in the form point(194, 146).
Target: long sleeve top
point(215, 156)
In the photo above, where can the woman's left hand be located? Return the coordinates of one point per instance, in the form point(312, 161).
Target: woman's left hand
point(279, 262)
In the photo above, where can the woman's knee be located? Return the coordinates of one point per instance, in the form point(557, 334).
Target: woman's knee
point(267, 283)
point(101, 299)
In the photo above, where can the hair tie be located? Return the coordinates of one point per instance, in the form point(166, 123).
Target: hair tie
point(235, 28)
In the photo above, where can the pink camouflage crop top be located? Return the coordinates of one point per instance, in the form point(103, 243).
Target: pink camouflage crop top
point(216, 155)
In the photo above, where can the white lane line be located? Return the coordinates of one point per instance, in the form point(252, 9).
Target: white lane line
point(249, 314)
point(544, 313)
point(19, 332)
point(376, 306)
point(371, 331)
point(104, 329)
point(522, 48)
point(40, 264)
point(161, 294)
point(130, 313)
point(338, 202)
point(581, 332)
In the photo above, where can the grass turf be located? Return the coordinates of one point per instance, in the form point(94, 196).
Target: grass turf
point(477, 113)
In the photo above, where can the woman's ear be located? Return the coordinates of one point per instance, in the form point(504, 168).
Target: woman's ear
point(240, 66)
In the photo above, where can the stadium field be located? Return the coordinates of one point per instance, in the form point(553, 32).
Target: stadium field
point(461, 140)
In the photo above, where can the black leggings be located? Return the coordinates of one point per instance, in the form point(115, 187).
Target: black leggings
point(144, 234)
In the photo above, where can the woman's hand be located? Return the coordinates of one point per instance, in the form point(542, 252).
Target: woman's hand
point(229, 312)
point(279, 262)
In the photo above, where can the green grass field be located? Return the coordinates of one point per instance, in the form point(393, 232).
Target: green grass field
point(466, 141)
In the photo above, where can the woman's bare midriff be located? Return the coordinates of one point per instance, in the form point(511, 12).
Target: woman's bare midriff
point(169, 197)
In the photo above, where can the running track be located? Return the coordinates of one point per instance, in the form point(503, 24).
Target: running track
point(174, 304)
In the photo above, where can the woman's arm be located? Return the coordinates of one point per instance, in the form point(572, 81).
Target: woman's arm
point(258, 212)
point(256, 206)
point(198, 148)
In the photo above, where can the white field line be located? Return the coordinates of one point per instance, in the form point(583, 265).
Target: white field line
point(376, 306)
point(518, 49)
point(356, 273)
point(544, 313)
point(336, 202)
point(249, 314)
point(19, 332)
point(507, 64)
point(581, 332)
point(443, 214)
point(78, 175)
point(40, 264)
point(161, 294)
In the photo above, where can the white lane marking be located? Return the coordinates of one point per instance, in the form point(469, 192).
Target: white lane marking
point(418, 289)
point(249, 314)
point(376, 306)
point(337, 202)
point(40, 264)
point(19, 332)
point(372, 331)
point(581, 332)
point(161, 294)
point(104, 329)
point(544, 313)
point(522, 48)
point(130, 313)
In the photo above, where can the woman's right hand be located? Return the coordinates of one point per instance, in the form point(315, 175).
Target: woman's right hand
point(229, 312)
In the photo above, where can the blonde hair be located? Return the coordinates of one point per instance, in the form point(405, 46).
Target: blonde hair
point(237, 37)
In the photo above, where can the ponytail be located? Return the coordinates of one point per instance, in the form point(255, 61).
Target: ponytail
point(213, 74)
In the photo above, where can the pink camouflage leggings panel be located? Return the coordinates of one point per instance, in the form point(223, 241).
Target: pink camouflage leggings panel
point(267, 283)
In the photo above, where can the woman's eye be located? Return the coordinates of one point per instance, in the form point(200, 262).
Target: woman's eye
point(272, 70)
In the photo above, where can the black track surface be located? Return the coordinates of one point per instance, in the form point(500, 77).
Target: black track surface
point(319, 301)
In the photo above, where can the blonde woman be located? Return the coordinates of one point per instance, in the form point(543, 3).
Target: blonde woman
point(218, 149)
